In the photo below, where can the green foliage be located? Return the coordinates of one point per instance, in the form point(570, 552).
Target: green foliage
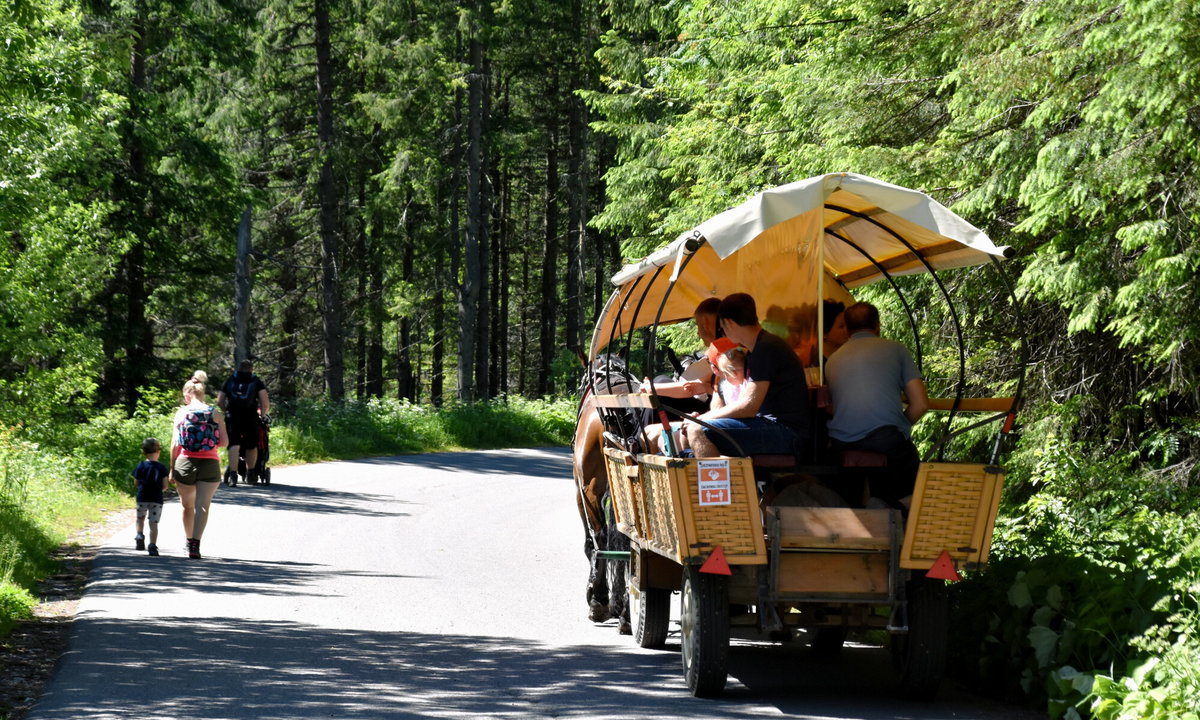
point(106, 448)
point(15, 604)
point(315, 430)
point(39, 506)
point(1097, 562)
point(1163, 679)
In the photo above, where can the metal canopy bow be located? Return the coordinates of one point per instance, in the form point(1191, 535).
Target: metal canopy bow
point(857, 228)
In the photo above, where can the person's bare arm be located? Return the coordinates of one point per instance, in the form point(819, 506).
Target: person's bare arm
point(753, 394)
point(918, 400)
point(223, 442)
point(264, 402)
point(174, 453)
point(677, 389)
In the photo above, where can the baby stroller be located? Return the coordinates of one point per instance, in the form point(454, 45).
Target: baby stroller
point(262, 473)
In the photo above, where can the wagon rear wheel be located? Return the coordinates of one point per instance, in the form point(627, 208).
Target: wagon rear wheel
point(649, 609)
point(920, 655)
point(704, 631)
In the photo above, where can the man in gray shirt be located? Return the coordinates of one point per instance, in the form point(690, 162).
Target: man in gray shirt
point(869, 379)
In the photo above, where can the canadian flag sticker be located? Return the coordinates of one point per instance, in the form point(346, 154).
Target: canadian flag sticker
point(714, 482)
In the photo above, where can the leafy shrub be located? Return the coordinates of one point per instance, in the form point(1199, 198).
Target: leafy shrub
point(106, 448)
point(15, 604)
point(1095, 566)
point(314, 430)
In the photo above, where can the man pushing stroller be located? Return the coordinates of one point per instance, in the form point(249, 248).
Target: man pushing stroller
point(244, 399)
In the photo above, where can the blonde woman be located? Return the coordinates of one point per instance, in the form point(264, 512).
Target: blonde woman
point(195, 460)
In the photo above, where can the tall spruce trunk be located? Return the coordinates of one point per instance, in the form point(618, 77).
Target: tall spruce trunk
point(474, 240)
point(241, 291)
point(437, 360)
point(576, 209)
point(499, 288)
point(405, 381)
point(480, 208)
point(331, 310)
point(289, 325)
point(375, 317)
point(549, 290)
point(134, 330)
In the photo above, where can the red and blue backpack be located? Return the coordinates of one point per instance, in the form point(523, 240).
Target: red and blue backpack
point(199, 431)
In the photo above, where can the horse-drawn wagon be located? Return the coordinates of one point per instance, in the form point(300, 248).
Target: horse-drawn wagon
point(718, 530)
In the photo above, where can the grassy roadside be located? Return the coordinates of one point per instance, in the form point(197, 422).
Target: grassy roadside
point(51, 489)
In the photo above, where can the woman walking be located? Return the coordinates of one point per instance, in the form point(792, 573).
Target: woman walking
point(195, 461)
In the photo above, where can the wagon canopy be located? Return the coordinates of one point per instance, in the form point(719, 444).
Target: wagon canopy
point(857, 228)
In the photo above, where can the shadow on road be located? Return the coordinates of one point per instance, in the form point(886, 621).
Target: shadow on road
point(227, 667)
point(132, 574)
point(314, 500)
point(552, 463)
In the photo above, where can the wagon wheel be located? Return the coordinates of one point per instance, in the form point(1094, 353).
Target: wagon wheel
point(649, 609)
point(920, 656)
point(704, 630)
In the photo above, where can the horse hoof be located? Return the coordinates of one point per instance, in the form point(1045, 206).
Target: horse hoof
point(625, 628)
point(598, 613)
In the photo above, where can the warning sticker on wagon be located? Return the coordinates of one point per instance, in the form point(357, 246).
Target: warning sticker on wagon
point(714, 482)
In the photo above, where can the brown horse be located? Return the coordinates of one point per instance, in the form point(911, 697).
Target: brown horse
point(606, 593)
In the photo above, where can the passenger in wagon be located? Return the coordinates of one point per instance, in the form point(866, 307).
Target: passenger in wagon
point(867, 378)
point(729, 359)
point(835, 327)
point(770, 414)
point(690, 391)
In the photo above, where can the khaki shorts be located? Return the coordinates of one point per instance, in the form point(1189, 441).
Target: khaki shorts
point(189, 471)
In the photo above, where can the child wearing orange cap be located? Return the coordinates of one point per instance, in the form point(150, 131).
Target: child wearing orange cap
point(728, 360)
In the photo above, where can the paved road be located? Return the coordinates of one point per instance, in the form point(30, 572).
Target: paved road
point(428, 586)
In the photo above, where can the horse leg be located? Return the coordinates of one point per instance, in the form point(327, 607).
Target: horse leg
point(591, 479)
point(616, 572)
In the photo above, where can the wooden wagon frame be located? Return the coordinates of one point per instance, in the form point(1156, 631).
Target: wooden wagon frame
point(824, 569)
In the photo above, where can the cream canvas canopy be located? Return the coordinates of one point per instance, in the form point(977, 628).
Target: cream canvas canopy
point(858, 229)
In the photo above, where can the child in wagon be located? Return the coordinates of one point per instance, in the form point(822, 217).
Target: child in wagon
point(729, 360)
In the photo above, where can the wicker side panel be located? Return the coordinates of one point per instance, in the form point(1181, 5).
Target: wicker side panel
point(658, 504)
point(619, 487)
point(954, 510)
point(736, 527)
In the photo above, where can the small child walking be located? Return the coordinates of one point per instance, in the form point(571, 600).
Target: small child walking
point(150, 478)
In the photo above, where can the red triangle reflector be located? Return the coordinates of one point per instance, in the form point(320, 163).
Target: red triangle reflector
point(716, 564)
point(943, 568)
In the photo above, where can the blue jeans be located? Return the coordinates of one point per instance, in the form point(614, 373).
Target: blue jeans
point(755, 435)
